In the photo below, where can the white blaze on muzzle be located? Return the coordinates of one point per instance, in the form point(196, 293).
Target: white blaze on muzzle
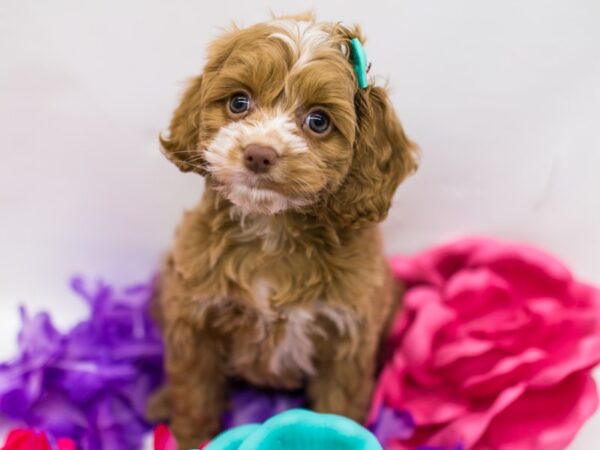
point(223, 158)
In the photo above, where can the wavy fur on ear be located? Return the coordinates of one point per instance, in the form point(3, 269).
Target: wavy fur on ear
point(181, 147)
point(383, 157)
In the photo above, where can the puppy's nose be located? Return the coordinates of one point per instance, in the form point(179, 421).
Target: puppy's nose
point(259, 158)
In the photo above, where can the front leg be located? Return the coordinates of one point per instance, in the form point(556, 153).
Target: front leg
point(344, 385)
point(196, 384)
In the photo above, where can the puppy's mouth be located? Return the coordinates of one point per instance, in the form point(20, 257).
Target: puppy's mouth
point(258, 195)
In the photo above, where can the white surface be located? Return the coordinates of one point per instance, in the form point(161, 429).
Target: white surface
point(503, 97)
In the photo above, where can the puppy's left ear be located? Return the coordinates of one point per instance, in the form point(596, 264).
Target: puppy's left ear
point(383, 157)
point(181, 147)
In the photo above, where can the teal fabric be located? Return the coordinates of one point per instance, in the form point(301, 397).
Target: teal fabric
point(298, 429)
point(233, 438)
point(361, 64)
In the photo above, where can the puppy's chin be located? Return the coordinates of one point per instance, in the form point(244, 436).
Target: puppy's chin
point(255, 200)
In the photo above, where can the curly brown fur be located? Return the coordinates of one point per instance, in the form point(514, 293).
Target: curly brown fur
point(279, 278)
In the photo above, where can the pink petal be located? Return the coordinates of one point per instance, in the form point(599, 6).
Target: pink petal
point(460, 371)
point(420, 296)
point(469, 429)
point(498, 322)
point(389, 390)
point(448, 353)
point(163, 439)
point(584, 355)
point(531, 273)
point(418, 342)
point(25, 439)
point(585, 296)
point(506, 372)
point(409, 271)
point(437, 265)
point(65, 444)
point(545, 419)
point(473, 292)
point(433, 406)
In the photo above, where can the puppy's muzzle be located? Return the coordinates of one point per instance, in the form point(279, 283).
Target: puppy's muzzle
point(259, 158)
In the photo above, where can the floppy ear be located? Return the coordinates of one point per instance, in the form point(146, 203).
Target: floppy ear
point(383, 157)
point(181, 147)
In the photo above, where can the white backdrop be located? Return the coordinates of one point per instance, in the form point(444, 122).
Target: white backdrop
point(502, 96)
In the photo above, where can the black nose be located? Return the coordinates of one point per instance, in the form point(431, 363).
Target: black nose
point(259, 158)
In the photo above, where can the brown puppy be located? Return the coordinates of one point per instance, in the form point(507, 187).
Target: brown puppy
point(278, 276)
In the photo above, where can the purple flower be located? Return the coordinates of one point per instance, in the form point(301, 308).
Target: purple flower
point(91, 383)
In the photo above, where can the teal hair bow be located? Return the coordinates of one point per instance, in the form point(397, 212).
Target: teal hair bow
point(360, 62)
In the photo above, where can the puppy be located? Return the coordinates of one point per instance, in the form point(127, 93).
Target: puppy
point(278, 277)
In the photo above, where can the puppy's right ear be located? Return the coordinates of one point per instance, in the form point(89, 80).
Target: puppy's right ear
point(182, 147)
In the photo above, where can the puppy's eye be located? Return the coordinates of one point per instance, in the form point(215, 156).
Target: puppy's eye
point(318, 122)
point(239, 103)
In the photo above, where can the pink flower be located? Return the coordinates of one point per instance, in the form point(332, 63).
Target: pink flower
point(26, 439)
point(493, 350)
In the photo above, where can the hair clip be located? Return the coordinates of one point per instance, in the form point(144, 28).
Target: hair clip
point(360, 62)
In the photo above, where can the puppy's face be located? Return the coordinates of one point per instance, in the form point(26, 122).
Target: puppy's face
point(277, 122)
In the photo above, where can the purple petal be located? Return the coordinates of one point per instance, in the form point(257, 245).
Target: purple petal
point(58, 416)
point(391, 425)
point(251, 405)
point(39, 342)
point(14, 403)
point(458, 446)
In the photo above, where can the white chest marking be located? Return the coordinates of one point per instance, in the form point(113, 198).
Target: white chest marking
point(294, 350)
